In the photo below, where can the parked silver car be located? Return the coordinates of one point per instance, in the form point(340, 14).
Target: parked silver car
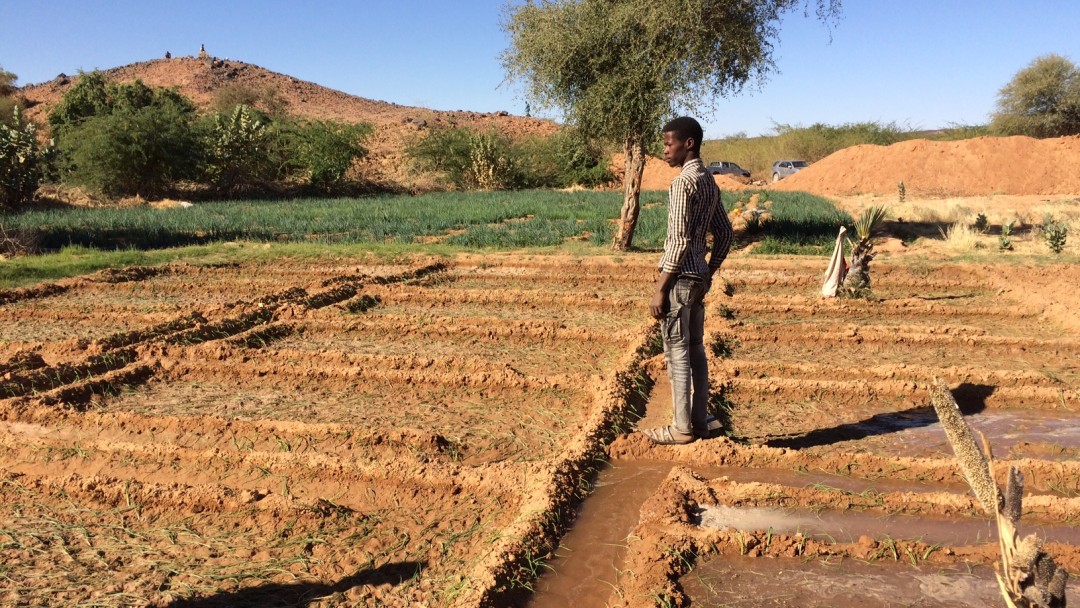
point(784, 168)
point(723, 167)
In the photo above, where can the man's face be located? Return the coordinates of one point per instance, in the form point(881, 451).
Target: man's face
point(675, 149)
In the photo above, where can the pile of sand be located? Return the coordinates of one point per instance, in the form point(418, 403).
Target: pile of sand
point(972, 167)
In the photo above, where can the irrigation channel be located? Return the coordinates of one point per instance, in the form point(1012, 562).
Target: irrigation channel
point(838, 486)
point(586, 570)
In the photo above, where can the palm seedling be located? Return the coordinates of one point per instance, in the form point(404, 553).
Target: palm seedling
point(857, 281)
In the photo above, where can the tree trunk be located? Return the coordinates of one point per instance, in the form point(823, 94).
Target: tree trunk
point(857, 281)
point(635, 167)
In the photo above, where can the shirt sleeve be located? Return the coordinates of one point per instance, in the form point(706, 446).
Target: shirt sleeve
point(723, 235)
point(678, 228)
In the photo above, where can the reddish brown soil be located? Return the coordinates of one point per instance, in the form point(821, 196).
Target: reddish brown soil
point(972, 167)
point(236, 436)
point(828, 403)
point(229, 433)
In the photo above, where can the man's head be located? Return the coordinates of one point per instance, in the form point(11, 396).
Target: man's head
point(682, 140)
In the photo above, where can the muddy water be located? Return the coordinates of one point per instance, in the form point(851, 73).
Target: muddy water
point(1007, 430)
point(584, 569)
point(745, 581)
point(583, 572)
point(848, 526)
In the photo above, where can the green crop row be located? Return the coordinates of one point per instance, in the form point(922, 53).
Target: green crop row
point(800, 223)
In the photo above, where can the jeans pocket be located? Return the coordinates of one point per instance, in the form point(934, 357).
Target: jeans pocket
point(673, 332)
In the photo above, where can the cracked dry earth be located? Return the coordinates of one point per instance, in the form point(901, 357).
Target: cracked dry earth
point(420, 433)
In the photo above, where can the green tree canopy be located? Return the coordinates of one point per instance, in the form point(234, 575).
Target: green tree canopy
point(123, 139)
point(1042, 100)
point(617, 68)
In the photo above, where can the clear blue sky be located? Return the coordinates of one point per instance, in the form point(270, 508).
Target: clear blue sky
point(919, 63)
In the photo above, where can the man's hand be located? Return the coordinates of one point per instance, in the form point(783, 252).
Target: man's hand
point(658, 308)
point(660, 303)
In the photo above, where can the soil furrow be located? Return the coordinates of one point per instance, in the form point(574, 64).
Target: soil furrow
point(954, 374)
point(1042, 475)
point(526, 331)
point(303, 476)
point(858, 334)
point(829, 395)
point(511, 298)
point(48, 378)
point(1037, 508)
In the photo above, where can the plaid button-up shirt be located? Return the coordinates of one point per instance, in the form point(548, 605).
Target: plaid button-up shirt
point(694, 211)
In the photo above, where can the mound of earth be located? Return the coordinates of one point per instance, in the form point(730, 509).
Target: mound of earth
point(972, 167)
point(395, 125)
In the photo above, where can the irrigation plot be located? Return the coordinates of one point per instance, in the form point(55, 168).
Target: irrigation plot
point(300, 434)
point(836, 465)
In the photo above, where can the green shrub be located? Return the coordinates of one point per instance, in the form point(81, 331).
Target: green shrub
point(20, 162)
point(231, 95)
point(561, 160)
point(87, 98)
point(8, 102)
point(981, 223)
point(238, 151)
point(1005, 238)
point(475, 160)
point(469, 160)
point(1042, 100)
point(134, 140)
point(1054, 233)
point(324, 150)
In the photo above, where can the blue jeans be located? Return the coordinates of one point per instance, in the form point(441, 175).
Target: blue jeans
point(684, 349)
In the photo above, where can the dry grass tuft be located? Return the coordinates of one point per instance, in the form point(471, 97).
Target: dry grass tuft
point(961, 237)
point(948, 211)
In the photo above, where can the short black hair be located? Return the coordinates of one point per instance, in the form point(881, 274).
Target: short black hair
point(684, 128)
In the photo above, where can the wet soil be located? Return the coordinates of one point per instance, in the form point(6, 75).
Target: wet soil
point(826, 583)
point(832, 453)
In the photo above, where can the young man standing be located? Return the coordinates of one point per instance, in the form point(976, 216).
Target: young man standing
point(694, 211)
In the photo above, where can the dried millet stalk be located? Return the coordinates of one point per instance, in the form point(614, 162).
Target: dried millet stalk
point(970, 456)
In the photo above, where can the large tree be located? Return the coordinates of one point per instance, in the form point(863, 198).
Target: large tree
point(617, 68)
point(1042, 100)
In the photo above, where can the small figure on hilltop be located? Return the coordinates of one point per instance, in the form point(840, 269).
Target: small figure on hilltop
point(694, 212)
point(168, 55)
point(202, 52)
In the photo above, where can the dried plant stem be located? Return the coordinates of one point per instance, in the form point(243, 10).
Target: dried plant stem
point(1028, 577)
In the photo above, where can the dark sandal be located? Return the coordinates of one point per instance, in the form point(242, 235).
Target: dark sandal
point(667, 436)
point(712, 429)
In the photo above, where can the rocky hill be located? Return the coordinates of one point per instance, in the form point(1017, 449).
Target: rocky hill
point(395, 125)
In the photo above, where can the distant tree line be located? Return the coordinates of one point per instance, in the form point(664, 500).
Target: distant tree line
point(128, 139)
